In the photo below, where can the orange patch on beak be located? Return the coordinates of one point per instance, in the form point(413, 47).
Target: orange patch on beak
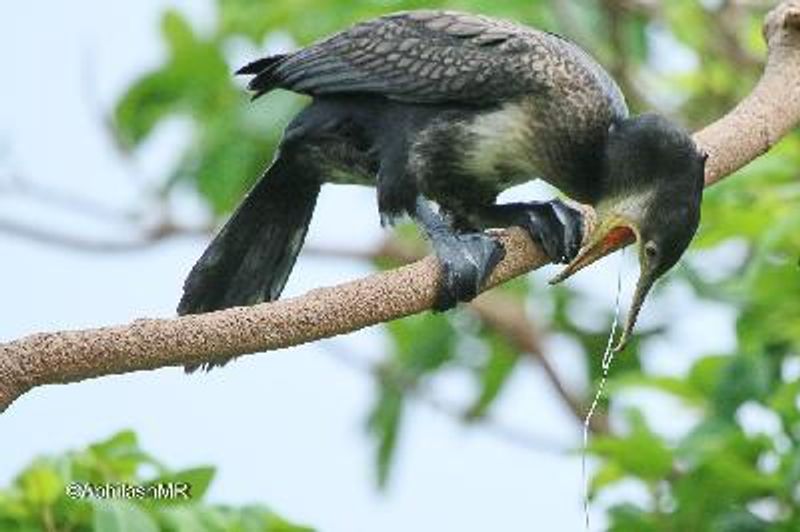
point(617, 238)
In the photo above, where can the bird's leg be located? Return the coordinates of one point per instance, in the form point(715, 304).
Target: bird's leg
point(553, 225)
point(466, 259)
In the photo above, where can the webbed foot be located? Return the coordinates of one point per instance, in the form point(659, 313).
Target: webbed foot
point(466, 258)
point(553, 225)
point(466, 262)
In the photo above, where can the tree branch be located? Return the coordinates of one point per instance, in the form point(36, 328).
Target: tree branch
point(755, 125)
point(770, 111)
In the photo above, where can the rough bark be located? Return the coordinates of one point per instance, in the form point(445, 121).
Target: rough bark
point(748, 131)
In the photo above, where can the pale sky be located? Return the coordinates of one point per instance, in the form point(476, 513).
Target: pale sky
point(286, 428)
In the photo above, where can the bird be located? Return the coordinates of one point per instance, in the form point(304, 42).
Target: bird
point(441, 111)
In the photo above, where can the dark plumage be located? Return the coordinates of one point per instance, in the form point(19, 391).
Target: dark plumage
point(501, 82)
point(455, 108)
point(436, 57)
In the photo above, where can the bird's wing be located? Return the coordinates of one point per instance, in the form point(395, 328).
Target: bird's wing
point(425, 57)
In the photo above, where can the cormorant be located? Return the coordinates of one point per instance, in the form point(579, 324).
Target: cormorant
point(454, 108)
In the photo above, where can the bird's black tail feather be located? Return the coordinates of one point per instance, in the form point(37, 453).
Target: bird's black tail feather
point(263, 70)
point(251, 257)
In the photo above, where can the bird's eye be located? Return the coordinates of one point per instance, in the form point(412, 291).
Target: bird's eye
point(651, 250)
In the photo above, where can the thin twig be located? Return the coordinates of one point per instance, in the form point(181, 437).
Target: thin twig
point(25, 187)
point(71, 242)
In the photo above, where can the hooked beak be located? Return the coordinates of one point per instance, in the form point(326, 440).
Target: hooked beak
point(613, 233)
point(643, 285)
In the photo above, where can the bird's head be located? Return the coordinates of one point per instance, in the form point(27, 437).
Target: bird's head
point(651, 195)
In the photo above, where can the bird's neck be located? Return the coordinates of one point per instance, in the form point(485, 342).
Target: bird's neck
point(629, 204)
point(578, 170)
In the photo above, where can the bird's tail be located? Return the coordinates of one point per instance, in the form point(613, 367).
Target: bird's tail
point(250, 259)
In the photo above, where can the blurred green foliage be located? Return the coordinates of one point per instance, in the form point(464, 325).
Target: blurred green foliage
point(720, 475)
point(52, 494)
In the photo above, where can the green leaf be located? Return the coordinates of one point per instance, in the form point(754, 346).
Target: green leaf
point(493, 375)
point(250, 17)
point(113, 460)
point(154, 97)
point(723, 465)
point(740, 477)
point(641, 453)
point(41, 484)
point(251, 518)
point(198, 479)
point(122, 443)
point(608, 474)
point(422, 343)
point(185, 518)
point(629, 518)
point(709, 437)
point(742, 379)
point(178, 33)
point(673, 386)
point(13, 507)
point(740, 521)
point(194, 81)
point(384, 424)
point(121, 516)
point(705, 374)
point(223, 171)
point(784, 402)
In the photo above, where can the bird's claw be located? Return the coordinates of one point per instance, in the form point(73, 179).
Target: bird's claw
point(466, 262)
point(556, 227)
